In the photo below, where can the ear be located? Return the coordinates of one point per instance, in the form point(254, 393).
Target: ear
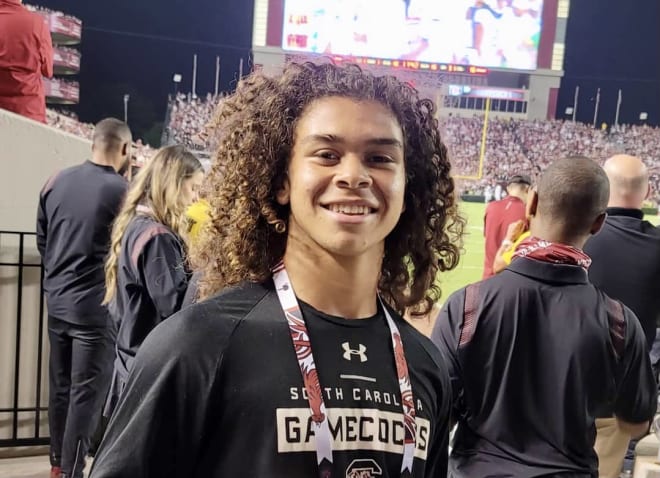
point(283, 195)
point(648, 191)
point(124, 149)
point(532, 203)
point(598, 223)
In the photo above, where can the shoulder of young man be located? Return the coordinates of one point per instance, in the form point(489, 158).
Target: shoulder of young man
point(206, 327)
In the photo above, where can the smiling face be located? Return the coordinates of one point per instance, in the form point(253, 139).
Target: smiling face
point(346, 177)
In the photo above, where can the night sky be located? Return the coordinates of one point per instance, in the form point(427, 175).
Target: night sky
point(135, 47)
point(613, 44)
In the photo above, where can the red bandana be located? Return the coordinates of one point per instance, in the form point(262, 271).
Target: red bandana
point(545, 251)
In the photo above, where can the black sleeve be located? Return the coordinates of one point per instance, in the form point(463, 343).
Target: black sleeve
point(163, 273)
point(446, 336)
point(159, 425)
point(42, 227)
point(636, 400)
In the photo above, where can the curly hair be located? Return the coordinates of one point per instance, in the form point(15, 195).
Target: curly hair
point(255, 128)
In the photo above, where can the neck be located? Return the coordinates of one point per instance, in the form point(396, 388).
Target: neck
point(623, 204)
point(103, 160)
point(341, 286)
point(554, 231)
point(519, 195)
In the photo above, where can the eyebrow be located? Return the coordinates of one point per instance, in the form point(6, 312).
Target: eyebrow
point(332, 138)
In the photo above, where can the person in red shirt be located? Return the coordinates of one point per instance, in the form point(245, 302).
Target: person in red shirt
point(500, 214)
point(26, 55)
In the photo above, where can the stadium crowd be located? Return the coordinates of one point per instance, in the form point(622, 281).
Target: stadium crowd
point(47, 11)
point(512, 146)
point(188, 117)
point(528, 147)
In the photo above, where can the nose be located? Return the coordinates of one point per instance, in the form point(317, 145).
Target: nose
point(352, 173)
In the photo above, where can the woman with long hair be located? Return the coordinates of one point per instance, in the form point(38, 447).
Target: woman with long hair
point(146, 273)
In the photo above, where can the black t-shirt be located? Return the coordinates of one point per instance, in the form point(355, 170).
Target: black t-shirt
point(538, 356)
point(77, 207)
point(217, 391)
point(626, 264)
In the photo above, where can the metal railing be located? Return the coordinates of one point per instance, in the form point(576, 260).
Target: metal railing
point(34, 437)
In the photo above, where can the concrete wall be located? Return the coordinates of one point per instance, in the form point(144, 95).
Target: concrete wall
point(541, 83)
point(29, 153)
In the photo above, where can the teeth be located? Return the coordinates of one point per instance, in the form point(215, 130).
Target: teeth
point(349, 209)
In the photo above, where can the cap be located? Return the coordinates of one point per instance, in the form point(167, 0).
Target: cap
point(520, 179)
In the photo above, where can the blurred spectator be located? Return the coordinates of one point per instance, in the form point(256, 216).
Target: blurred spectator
point(528, 147)
point(26, 54)
point(80, 330)
point(47, 11)
point(539, 340)
point(499, 215)
point(188, 120)
point(62, 89)
point(146, 271)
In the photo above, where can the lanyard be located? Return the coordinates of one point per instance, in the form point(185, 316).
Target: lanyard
point(303, 348)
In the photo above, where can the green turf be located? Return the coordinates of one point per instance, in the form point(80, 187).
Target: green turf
point(470, 266)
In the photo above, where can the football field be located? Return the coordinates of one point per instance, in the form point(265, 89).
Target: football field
point(471, 263)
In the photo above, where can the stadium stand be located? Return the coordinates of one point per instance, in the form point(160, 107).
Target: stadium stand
point(513, 146)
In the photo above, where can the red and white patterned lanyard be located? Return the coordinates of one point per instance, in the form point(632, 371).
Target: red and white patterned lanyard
point(303, 348)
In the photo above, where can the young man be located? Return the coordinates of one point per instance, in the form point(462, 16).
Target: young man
point(76, 209)
point(537, 353)
point(331, 210)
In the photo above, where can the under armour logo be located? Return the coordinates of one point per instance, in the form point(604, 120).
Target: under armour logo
point(349, 352)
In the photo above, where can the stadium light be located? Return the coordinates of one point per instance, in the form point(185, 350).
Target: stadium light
point(176, 79)
point(126, 98)
point(643, 116)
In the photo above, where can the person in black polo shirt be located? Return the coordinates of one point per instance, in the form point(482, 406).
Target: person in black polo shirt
point(626, 266)
point(537, 352)
point(76, 209)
